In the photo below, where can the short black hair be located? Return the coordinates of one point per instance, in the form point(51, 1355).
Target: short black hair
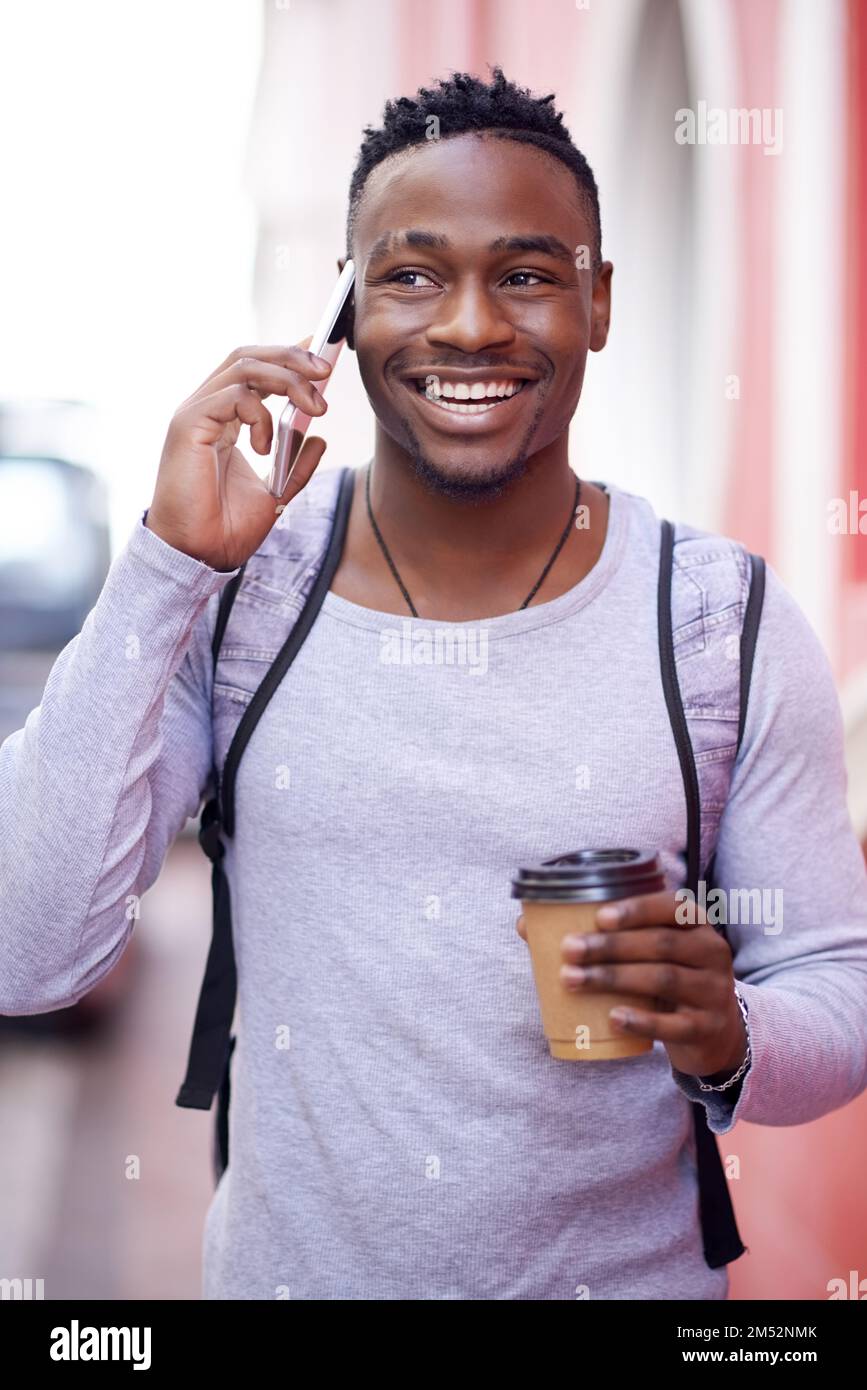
point(463, 104)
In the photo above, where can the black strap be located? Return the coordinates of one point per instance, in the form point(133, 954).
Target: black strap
point(671, 690)
point(720, 1235)
point(748, 647)
point(210, 1046)
point(212, 1043)
point(227, 598)
point(749, 634)
point(289, 650)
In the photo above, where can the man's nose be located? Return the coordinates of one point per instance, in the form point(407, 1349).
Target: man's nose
point(471, 318)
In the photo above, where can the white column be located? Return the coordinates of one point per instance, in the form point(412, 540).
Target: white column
point(809, 293)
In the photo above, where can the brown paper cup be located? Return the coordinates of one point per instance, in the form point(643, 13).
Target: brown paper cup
point(576, 1022)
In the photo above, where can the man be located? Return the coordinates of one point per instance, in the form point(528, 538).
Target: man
point(399, 1128)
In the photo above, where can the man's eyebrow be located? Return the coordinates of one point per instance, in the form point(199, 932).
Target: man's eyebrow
point(391, 242)
point(545, 245)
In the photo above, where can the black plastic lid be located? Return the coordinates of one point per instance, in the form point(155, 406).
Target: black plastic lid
point(591, 875)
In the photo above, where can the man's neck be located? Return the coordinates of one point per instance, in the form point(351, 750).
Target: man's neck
point(462, 560)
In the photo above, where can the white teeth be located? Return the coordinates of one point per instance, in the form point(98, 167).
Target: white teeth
point(461, 407)
point(452, 395)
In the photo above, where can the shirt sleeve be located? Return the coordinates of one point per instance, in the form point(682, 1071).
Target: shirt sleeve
point(795, 885)
point(104, 773)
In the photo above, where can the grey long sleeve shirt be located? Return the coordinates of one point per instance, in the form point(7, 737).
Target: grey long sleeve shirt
point(398, 1127)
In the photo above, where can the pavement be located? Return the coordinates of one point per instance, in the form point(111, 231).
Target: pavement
point(81, 1116)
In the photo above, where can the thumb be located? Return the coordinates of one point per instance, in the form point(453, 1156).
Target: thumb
point(309, 457)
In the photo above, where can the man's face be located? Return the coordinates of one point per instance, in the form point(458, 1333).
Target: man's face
point(471, 308)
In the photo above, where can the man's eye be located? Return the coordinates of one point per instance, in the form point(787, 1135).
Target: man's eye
point(531, 274)
point(401, 275)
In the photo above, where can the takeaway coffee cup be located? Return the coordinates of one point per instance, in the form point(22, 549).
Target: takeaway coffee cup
point(561, 897)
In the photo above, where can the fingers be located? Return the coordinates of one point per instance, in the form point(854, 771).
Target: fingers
point(648, 909)
point(684, 1028)
point(308, 459)
point(667, 983)
point(267, 379)
point(293, 359)
point(206, 418)
point(646, 944)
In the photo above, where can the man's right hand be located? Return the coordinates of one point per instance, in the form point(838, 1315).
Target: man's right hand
point(208, 501)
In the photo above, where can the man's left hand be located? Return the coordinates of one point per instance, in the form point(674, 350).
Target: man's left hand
point(685, 971)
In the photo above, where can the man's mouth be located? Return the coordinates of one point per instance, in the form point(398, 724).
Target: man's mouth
point(464, 398)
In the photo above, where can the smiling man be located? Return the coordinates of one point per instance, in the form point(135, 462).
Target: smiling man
point(399, 1128)
point(473, 317)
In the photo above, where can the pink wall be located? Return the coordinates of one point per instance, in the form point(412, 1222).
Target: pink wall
point(854, 402)
point(750, 503)
point(799, 1201)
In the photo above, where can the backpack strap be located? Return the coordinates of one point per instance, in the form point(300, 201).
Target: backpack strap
point(749, 635)
point(708, 599)
point(721, 1239)
point(212, 1044)
point(289, 650)
point(674, 704)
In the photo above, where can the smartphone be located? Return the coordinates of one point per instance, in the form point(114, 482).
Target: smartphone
point(327, 341)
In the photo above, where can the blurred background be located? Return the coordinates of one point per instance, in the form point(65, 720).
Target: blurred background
point(176, 181)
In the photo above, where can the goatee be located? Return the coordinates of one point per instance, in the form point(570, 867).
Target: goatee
point(471, 487)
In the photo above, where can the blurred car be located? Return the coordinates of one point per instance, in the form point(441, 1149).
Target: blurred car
point(54, 557)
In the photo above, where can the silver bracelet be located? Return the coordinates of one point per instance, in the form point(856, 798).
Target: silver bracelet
point(745, 1063)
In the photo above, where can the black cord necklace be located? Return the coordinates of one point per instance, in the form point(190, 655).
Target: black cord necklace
point(393, 567)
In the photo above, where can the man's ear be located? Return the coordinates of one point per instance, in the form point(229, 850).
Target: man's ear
point(601, 307)
point(348, 315)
